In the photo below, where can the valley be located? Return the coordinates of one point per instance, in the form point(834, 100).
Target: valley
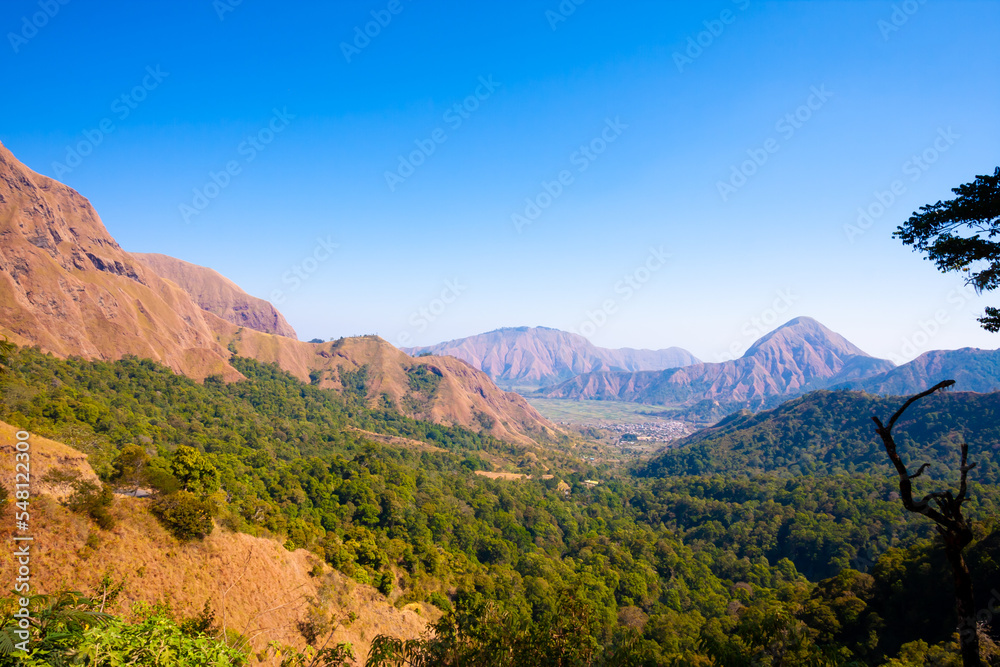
point(571, 411)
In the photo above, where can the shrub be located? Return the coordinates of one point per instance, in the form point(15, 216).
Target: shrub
point(440, 601)
point(184, 514)
point(202, 623)
point(93, 500)
point(385, 583)
point(130, 468)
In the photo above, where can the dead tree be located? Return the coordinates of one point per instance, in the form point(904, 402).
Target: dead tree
point(954, 530)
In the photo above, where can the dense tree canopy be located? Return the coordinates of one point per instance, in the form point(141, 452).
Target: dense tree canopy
point(738, 553)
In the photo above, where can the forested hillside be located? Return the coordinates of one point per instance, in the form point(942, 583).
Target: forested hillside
point(831, 432)
point(722, 567)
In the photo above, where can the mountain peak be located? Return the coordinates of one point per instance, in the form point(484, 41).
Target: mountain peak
point(804, 332)
point(798, 356)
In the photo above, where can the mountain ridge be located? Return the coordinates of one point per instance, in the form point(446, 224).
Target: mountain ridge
point(829, 432)
point(973, 369)
point(219, 295)
point(531, 357)
point(799, 356)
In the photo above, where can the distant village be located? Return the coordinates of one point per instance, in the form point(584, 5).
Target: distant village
point(657, 431)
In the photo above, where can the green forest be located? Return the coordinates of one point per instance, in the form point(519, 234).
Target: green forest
point(771, 539)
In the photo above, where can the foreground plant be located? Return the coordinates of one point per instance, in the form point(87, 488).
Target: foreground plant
point(67, 629)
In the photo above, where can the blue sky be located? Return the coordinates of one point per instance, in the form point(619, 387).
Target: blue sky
point(684, 173)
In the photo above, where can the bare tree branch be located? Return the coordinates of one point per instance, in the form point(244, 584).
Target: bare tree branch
point(951, 525)
point(913, 399)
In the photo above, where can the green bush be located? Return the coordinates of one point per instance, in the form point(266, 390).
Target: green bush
point(184, 514)
point(202, 623)
point(130, 468)
point(155, 641)
point(440, 601)
point(385, 582)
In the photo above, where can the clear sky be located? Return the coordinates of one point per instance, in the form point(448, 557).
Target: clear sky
point(646, 173)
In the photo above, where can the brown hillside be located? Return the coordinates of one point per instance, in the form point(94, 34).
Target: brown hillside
point(68, 287)
point(263, 588)
point(219, 295)
point(46, 455)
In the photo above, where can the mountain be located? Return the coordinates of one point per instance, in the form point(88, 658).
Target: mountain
point(972, 369)
point(67, 287)
point(440, 389)
point(219, 295)
point(797, 357)
point(532, 357)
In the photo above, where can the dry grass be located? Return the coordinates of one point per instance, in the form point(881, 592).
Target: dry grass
point(46, 455)
point(397, 441)
point(508, 475)
point(501, 475)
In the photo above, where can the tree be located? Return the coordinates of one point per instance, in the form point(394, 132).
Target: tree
point(186, 515)
point(951, 525)
point(193, 470)
point(130, 468)
point(959, 234)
